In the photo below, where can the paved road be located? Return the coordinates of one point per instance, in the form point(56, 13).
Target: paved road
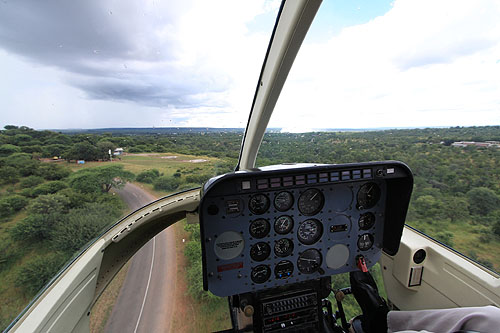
point(145, 302)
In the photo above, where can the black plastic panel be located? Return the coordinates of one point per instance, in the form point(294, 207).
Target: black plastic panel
point(312, 230)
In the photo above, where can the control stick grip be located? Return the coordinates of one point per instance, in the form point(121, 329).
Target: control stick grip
point(361, 263)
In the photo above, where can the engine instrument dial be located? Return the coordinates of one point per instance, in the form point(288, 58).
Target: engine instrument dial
point(283, 224)
point(283, 269)
point(259, 204)
point(260, 274)
point(310, 231)
point(283, 247)
point(368, 196)
point(283, 201)
point(365, 242)
point(260, 251)
point(366, 221)
point(259, 228)
point(309, 261)
point(311, 202)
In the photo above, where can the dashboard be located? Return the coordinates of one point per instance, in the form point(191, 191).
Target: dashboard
point(284, 224)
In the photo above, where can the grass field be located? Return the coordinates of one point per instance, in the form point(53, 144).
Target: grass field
point(164, 162)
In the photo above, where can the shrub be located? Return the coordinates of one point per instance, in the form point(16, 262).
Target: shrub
point(148, 176)
point(49, 204)
point(51, 171)
point(496, 228)
point(198, 179)
point(445, 237)
point(167, 183)
point(9, 175)
point(31, 181)
point(8, 149)
point(75, 199)
point(80, 226)
point(23, 163)
point(11, 204)
point(37, 271)
point(49, 188)
point(35, 227)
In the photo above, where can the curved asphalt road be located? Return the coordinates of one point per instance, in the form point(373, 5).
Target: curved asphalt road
point(145, 302)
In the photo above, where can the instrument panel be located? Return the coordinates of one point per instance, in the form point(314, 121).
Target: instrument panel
point(286, 224)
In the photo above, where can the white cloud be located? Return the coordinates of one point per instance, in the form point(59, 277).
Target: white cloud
point(424, 63)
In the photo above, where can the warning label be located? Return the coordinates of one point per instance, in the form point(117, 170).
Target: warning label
point(228, 267)
point(229, 245)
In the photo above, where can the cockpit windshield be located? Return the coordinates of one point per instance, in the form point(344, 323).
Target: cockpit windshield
point(109, 106)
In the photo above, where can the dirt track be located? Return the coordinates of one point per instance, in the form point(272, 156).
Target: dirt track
point(146, 299)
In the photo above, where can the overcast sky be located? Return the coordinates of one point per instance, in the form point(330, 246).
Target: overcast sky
point(364, 64)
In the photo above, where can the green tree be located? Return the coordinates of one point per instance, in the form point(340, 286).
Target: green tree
point(48, 188)
point(36, 227)
point(83, 151)
point(101, 178)
point(80, 226)
point(9, 175)
point(496, 228)
point(49, 204)
point(37, 271)
point(455, 208)
point(148, 176)
point(11, 204)
point(482, 201)
point(104, 147)
point(23, 163)
point(167, 183)
point(427, 206)
point(54, 150)
point(52, 171)
point(8, 149)
point(31, 181)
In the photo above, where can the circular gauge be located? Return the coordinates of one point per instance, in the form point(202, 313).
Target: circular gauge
point(283, 201)
point(283, 224)
point(368, 196)
point(259, 204)
point(260, 274)
point(310, 231)
point(283, 269)
point(366, 221)
point(365, 242)
point(283, 247)
point(260, 251)
point(311, 201)
point(309, 261)
point(259, 228)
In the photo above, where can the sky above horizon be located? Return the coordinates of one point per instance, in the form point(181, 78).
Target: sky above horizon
point(364, 64)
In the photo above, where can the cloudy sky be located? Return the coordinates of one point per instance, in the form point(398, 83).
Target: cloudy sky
point(364, 64)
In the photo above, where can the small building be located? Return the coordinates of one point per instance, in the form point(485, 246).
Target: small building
point(118, 151)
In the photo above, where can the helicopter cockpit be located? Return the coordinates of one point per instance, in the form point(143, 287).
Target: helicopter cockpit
point(273, 236)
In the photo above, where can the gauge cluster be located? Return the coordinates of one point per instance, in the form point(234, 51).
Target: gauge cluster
point(277, 226)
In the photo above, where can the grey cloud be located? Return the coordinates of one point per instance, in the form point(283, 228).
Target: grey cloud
point(93, 40)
